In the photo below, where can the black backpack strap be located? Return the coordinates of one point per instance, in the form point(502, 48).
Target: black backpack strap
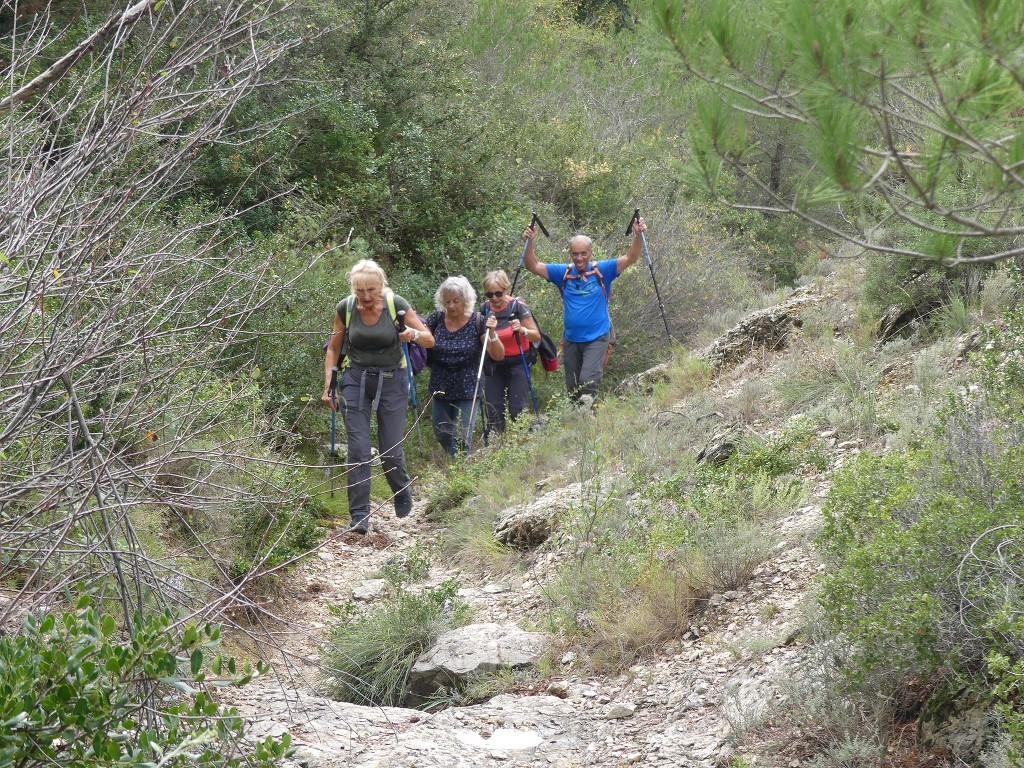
point(432, 327)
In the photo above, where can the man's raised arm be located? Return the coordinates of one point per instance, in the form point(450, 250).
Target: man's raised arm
point(530, 258)
point(635, 248)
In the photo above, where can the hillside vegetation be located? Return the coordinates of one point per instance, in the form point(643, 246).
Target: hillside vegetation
point(188, 182)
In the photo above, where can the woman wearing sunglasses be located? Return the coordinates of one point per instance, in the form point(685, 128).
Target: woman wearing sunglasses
point(506, 388)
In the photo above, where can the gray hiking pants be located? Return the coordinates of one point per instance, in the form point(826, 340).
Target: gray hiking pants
point(584, 365)
point(358, 392)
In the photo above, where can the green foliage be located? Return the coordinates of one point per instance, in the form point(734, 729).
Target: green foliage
point(75, 692)
point(253, 515)
point(904, 112)
point(638, 571)
point(1001, 362)
point(407, 567)
point(918, 541)
point(793, 449)
point(1006, 670)
point(375, 118)
point(368, 659)
point(464, 479)
point(900, 281)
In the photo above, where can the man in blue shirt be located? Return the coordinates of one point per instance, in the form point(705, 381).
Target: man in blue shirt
point(585, 286)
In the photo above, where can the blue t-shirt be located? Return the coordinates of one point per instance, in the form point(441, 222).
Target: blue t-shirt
point(586, 308)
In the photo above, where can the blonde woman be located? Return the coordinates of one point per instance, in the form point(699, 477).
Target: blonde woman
point(372, 381)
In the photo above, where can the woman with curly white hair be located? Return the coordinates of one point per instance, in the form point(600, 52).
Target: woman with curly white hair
point(460, 337)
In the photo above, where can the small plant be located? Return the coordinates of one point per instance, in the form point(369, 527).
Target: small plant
point(727, 556)
point(368, 659)
point(956, 315)
point(78, 692)
point(407, 567)
point(786, 453)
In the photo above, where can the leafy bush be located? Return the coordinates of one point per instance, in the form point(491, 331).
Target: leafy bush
point(77, 693)
point(913, 537)
point(369, 659)
point(271, 528)
point(407, 567)
point(464, 479)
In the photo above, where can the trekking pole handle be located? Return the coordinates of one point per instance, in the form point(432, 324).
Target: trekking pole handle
point(334, 385)
point(400, 320)
point(536, 220)
point(636, 217)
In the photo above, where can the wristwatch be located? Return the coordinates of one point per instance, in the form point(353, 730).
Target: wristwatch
point(415, 334)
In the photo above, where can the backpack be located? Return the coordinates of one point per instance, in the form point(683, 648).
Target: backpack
point(417, 354)
point(545, 349)
point(592, 271)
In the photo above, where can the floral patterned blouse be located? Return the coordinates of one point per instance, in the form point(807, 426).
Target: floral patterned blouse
point(454, 359)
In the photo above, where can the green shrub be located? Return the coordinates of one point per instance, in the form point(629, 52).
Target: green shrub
point(465, 478)
point(407, 567)
point(913, 538)
point(634, 576)
point(368, 659)
point(270, 533)
point(76, 693)
point(901, 281)
point(790, 451)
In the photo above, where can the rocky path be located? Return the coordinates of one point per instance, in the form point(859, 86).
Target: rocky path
point(683, 707)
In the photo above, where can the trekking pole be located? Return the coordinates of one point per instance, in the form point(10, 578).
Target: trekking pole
point(522, 256)
point(412, 384)
point(334, 416)
point(476, 391)
point(650, 265)
point(526, 367)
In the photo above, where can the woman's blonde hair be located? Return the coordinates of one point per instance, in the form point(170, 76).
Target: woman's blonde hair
point(367, 269)
point(499, 279)
point(456, 286)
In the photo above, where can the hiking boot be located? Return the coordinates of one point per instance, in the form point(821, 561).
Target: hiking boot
point(360, 525)
point(403, 503)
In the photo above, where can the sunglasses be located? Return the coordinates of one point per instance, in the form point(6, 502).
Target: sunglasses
point(494, 294)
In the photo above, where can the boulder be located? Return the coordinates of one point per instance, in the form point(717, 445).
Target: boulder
point(764, 329)
point(958, 723)
point(531, 525)
point(643, 383)
point(459, 655)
